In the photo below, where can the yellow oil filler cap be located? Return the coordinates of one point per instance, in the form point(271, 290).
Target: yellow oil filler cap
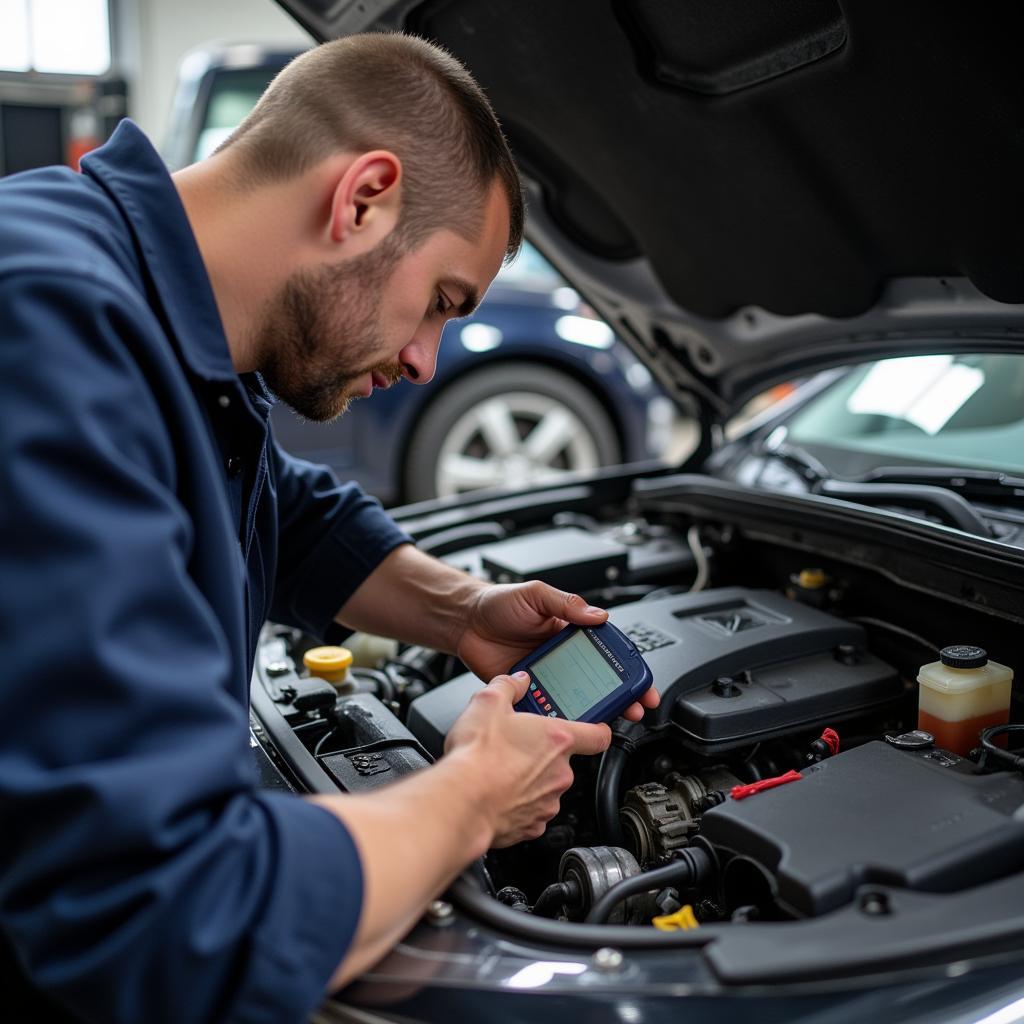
point(329, 663)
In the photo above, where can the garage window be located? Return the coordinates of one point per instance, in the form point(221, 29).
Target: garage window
point(68, 37)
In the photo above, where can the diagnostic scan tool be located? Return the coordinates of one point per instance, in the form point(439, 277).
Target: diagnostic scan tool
point(584, 674)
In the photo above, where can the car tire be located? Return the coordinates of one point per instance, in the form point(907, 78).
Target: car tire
point(507, 425)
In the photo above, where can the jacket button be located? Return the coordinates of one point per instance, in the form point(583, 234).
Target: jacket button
point(234, 465)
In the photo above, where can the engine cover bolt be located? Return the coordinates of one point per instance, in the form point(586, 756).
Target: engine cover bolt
point(848, 654)
point(440, 913)
point(874, 904)
point(725, 686)
point(607, 959)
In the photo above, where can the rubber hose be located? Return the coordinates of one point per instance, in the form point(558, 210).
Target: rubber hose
point(554, 896)
point(689, 868)
point(385, 688)
point(609, 782)
point(480, 908)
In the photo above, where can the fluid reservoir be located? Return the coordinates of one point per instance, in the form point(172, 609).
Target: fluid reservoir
point(329, 663)
point(960, 695)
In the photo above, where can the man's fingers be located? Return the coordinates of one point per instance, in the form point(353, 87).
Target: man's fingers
point(649, 699)
point(561, 605)
point(589, 738)
point(633, 713)
point(514, 686)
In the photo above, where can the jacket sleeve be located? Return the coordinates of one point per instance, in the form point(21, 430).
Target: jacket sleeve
point(142, 874)
point(331, 537)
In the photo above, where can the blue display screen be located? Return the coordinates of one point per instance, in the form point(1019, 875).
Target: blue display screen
point(576, 676)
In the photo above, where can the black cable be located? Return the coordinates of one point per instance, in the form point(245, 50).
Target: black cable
point(689, 868)
point(316, 723)
point(868, 620)
point(1007, 757)
point(320, 742)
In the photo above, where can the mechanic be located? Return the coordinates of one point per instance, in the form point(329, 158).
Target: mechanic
point(150, 523)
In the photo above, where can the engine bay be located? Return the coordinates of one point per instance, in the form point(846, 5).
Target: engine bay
point(783, 776)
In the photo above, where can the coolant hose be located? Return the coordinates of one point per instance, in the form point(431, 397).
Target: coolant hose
point(609, 782)
point(555, 896)
point(690, 866)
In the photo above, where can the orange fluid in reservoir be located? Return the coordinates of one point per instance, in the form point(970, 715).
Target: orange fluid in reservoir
point(962, 737)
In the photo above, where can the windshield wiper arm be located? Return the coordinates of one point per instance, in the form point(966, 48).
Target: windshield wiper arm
point(937, 489)
point(971, 483)
point(953, 509)
point(812, 469)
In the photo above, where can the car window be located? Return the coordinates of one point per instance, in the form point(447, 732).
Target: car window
point(232, 95)
point(529, 271)
point(960, 411)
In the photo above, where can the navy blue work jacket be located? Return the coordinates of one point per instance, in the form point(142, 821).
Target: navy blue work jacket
point(148, 525)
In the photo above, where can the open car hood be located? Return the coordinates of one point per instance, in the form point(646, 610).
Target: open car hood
point(749, 191)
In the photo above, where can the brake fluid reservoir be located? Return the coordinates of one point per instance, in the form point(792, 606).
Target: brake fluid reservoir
point(960, 695)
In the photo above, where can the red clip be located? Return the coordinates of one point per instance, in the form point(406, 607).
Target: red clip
point(831, 739)
point(739, 792)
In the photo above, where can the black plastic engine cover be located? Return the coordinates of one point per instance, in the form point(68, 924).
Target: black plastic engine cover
point(378, 748)
point(794, 666)
point(921, 820)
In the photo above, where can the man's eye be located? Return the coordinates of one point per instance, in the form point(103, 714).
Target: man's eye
point(441, 305)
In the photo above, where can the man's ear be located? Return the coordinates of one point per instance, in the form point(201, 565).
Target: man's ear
point(367, 200)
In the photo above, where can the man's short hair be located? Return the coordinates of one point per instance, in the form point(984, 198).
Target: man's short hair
point(395, 92)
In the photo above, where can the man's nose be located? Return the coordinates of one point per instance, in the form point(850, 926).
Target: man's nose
point(419, 358)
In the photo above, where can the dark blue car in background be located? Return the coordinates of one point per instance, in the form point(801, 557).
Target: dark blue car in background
point(532, 387)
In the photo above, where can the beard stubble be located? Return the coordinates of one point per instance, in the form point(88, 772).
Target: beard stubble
point(321, 333)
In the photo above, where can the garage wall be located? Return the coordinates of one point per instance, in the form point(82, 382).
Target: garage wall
point(151, 36)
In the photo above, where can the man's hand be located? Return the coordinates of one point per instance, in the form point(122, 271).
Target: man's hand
point(417, 598)
point(521, 760)
point(508, 621)
point(498, 783)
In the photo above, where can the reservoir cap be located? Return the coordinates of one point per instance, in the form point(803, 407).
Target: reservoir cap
point(329, 663)
point(963, 656)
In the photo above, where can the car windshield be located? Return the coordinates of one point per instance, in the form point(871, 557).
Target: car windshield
point(963, 411)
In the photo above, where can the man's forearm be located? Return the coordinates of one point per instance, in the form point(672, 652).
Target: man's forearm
point(414, 837)
point(415, 598)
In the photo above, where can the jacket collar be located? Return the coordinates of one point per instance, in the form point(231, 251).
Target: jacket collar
point(131, 171)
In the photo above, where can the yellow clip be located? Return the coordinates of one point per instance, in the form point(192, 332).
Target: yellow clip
point(812, 579)
point(683, 920)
